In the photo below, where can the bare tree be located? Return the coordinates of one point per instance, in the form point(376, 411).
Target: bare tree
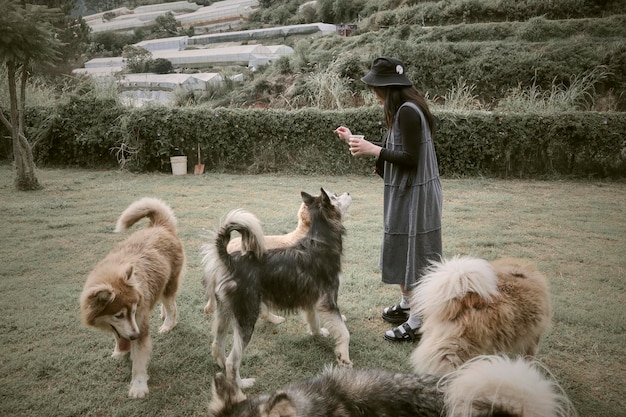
point(27, 39)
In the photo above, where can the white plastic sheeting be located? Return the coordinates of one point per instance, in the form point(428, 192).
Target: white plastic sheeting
point(177, 43)
point(251, 56)
point(98, 72)
point(218, 12)
point(147, 81)
point(244, 55)
point(252, 34)
point(105, 62)
point(187, 13)
point(176, 6)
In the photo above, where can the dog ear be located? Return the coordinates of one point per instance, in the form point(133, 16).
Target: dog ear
point(280, 405)
point(102, 294)
point(325, 196)
point(307, 198)
point(129, 273)
point(225, 393)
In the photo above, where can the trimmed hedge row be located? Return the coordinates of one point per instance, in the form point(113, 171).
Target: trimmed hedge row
point(302, 142)
point(439, 13)
point(536, 29)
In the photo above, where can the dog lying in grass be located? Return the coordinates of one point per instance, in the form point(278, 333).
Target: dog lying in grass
point(487, 386)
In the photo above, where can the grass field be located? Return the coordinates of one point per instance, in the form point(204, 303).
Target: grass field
point(52, 366)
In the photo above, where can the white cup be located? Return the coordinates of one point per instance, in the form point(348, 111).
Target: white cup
point(355, 138)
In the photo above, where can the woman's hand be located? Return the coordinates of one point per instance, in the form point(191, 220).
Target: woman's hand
point(360, 146)
point(343, 133)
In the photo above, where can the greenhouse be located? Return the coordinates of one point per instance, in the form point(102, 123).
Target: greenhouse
point(244, 55)
point(245, 35)
point(169, 81)
point(177, 43)
point(187, 13)
point(222, 11)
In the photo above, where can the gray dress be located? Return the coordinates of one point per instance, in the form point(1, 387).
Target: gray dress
point(412, 210)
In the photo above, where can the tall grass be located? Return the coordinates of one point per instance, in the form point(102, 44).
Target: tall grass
point(38, 92)
point(578, 94)
point(52, 366)
point(461, 97)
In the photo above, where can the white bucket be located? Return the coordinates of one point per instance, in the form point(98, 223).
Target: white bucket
point(179, 165)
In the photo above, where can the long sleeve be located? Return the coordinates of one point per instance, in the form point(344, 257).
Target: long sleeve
point(410, 129)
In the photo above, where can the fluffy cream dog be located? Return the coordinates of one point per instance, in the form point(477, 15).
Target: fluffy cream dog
point(472, 307)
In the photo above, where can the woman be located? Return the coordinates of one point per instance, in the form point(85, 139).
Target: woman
point(412, 196)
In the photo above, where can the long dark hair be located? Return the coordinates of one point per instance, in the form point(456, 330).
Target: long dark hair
point(393, 97)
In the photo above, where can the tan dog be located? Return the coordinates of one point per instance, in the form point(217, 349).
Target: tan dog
point(123, 288)
point(472, 307)
point(273, 242)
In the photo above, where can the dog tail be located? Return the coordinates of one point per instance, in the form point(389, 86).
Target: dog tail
point(498, 385)
point(159, 213)
point(447, 281)
point(248, 226)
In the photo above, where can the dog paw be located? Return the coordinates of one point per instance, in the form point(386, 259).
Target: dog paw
point(208, 308)
point(246, 383)
point(344, 363)
point(118, 354)
point(322, 331)
point(166, 327)
point(343, 360)
point(138, 390)
point(273, 318)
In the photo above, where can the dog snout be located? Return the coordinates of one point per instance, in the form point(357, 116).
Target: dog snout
point(134, 336)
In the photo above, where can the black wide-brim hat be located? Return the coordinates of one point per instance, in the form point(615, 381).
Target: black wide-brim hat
point(387, 72)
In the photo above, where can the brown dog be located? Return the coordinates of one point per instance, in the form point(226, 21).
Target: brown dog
point(472, 307)
point(123, 288)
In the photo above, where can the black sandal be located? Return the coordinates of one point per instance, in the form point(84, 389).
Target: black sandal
point(403, 333)
point(396, 314)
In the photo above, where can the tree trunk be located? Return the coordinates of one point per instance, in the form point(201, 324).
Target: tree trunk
point(26, 179)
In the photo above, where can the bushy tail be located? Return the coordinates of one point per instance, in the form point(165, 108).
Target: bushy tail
point(498, 385)
point(452, 279)
point(159, 213)
point(248, 226)
point(215, 256)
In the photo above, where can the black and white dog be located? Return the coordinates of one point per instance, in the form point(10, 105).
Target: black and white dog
point(304, 276)
point(486, 386)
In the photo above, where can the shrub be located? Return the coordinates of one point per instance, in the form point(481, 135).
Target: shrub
point(92, 133)
point(159, 66)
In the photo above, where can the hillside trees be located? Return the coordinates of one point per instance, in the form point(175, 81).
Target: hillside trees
point(27, 40)
point(71, 30)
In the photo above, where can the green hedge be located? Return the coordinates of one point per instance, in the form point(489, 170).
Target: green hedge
point(95, 134)
point(536, 29)
point(438, 13)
